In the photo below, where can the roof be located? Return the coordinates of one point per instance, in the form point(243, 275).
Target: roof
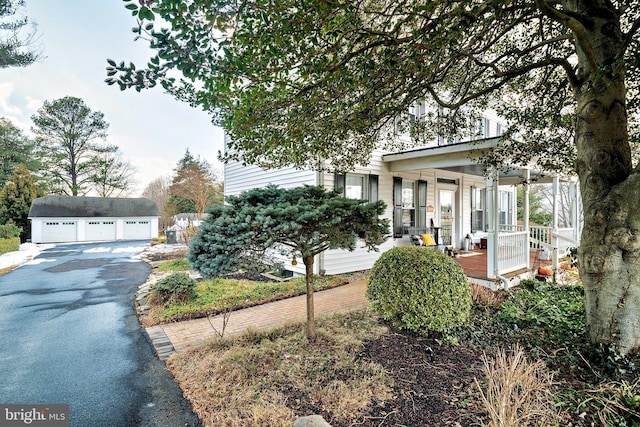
point(92, 207)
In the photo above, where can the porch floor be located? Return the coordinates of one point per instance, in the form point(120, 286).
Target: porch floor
point(474, 264)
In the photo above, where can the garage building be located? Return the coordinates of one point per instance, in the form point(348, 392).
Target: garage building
point(58, 219)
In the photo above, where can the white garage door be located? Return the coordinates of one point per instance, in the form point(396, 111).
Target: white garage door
point(59, 231)
point(137, 230)
point(101, 230)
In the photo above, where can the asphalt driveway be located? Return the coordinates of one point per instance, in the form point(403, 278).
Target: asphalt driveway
point(70, 335)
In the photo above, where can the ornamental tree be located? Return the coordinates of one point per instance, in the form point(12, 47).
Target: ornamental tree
point(292, 81)
point(303, 221)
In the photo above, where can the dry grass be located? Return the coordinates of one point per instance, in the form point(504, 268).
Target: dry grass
point(485, 296)
point(6, 270)
point(517, 392)
point(262, 378)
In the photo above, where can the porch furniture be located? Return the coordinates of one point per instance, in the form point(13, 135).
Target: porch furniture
point(426, 240)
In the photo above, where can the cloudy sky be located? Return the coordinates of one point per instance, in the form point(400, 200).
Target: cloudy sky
point(152, 129)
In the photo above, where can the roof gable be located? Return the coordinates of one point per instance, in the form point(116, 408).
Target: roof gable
point(92, 207)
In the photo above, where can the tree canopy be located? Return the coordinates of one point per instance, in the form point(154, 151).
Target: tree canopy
point(15, 200)
point(194, 186)
point(76, 160)
point(15, 149)
point(296, 81)
point(245, 233)
point(16, 45)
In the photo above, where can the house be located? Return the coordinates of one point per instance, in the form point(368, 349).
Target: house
point(185, 225)
point(56, 219)
point(438, 189)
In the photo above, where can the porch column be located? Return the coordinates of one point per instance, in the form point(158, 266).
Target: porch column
point(526, 177)
point(493, 222)
point(573, 197)
point(554, 227)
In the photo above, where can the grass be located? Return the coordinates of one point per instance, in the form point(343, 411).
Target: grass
point(211, 297)
point(9, 245)
point(180, 264)
point(255, 379)
point(269, 378)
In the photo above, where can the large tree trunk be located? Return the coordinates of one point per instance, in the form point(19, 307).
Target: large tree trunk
point(311, 323)
point(609, 252)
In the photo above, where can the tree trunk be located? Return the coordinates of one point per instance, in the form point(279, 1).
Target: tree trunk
point(609, 252)
point(311, 323)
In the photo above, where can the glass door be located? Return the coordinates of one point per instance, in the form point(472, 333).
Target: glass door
point(446, 215)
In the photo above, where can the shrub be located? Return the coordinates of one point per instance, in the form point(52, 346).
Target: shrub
point(9, 245)
point(177, 287)
point(10, 230)
point(419, 289)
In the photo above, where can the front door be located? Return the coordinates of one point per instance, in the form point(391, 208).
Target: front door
point(446, 215)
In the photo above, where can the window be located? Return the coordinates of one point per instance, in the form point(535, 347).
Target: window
point(356, 187)
point(477, 209)
point(506, 208)
point(408, 205)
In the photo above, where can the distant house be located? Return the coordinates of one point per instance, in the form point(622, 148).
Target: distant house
point(185, 225)
point(57, 219)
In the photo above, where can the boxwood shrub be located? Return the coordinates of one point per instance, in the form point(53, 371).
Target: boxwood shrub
point(419, 289)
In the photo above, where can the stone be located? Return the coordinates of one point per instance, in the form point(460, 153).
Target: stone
point(311, 421)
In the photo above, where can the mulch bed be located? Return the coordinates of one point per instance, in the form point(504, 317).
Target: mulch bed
point(434, 385)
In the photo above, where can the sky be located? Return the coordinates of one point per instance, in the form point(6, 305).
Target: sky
point(152, 129)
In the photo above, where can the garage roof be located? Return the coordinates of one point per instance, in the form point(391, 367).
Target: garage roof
point(92, 207)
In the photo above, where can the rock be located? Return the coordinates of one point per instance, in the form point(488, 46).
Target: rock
point(311, 421)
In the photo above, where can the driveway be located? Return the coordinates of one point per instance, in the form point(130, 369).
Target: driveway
point(70, 335)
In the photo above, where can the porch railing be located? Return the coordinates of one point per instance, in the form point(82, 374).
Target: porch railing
point(511, 253)
point(512, 241)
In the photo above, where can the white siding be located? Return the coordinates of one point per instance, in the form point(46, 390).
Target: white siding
point(239, 178)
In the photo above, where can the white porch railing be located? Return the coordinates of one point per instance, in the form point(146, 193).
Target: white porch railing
point(511, 253)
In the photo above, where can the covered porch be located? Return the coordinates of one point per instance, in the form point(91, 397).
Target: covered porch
point(509, 251)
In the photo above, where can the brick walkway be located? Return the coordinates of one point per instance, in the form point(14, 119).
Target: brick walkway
point(176, 337)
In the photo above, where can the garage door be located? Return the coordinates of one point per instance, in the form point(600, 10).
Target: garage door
point(101, 230)
point(137, 230)
point(59, 231)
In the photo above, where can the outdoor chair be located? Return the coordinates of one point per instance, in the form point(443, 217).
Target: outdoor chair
point(426, 240)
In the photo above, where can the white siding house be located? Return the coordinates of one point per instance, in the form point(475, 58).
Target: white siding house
point(437, 189)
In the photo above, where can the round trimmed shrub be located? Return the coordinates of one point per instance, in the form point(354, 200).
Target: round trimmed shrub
point(177, 287)
point(419, 289)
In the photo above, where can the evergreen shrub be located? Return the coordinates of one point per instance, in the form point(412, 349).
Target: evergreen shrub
point(419, 289)
point(10, 230)
point(177, 287)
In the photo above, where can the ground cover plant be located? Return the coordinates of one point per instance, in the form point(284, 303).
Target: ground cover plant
point(561, 379)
